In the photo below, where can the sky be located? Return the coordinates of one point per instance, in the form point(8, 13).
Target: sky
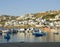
point(21, 7)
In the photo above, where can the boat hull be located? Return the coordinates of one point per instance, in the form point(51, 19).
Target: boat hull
point(38, 34)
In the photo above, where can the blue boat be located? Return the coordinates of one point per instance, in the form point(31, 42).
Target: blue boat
point(38, 33)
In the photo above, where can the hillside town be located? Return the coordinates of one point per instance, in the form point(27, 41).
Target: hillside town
point(28, 20)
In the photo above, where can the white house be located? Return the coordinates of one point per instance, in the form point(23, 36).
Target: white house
point(51, 24)
point(8, 24)
point(57, 23)
point(57, 17)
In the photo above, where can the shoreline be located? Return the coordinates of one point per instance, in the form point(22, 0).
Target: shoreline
point(31, 44)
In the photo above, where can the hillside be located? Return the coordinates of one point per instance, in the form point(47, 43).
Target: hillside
point(45, 15)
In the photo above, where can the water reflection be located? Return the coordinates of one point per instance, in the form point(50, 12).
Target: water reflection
point(7, 37)
point(28, 37)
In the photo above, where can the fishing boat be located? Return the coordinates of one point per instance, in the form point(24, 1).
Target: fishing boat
point(38, 33)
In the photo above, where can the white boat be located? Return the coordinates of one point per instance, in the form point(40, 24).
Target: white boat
point(4, 31)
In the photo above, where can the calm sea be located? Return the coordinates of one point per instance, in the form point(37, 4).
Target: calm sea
point(28, 37)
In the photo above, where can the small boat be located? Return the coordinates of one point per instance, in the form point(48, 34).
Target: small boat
point(5, 31)
point(38, 33)
point(13, 31)
point(56, 33)
point(0, 32)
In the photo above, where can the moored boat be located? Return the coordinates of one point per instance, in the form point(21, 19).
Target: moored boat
point(38, 33)
point(0, 32)
point(56, 33)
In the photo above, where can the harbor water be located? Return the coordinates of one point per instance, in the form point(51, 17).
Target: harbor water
point(28, 37)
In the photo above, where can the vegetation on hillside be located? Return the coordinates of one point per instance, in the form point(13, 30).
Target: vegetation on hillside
point(49, 16)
